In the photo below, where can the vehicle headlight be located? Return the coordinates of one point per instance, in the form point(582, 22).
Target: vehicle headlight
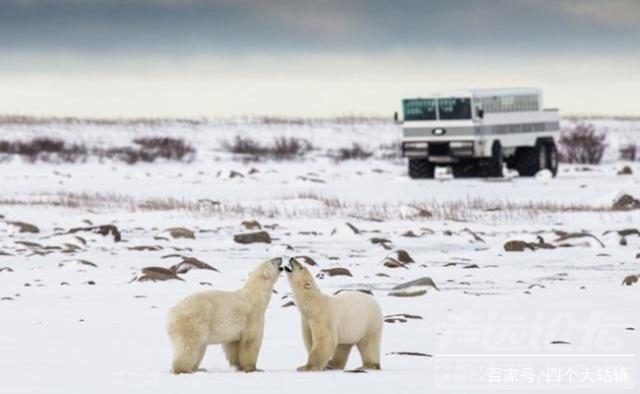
point(461, 145)
point(461, 148)
point(416, 145)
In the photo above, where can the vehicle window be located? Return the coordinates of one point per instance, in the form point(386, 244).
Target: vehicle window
point(419, 109)
point(454, 108)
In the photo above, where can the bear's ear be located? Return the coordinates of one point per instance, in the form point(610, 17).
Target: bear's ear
point(307, 285)
point(266, 274)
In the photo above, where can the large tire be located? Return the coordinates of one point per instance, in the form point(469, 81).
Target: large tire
point(531, 160)
point(421, 169)
point(465, 169)
point(492, 167)
point(552, 157)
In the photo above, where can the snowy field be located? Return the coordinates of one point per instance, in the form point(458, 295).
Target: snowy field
point(74, 317)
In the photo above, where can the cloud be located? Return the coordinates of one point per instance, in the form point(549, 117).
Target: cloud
point(616, 13)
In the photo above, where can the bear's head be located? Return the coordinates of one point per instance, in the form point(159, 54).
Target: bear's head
point(266, 275)
point(300, 279)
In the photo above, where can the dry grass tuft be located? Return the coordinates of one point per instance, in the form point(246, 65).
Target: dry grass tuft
point(318, 206)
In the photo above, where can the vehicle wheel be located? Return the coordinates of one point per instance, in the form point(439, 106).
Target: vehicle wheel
point(531, 160)
point(552, 157)
point(465, 169)
point(421, 169)
point(492, 167)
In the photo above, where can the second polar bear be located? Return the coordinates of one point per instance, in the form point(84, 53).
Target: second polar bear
point(234, 319)
point(332, 325)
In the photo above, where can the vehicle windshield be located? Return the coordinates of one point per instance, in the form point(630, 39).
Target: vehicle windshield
point(454, 108)
point(419, 109)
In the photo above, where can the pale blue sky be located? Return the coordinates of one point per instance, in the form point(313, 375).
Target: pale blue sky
point(310, 58)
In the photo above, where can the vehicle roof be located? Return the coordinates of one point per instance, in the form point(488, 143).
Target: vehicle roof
point(483, 92)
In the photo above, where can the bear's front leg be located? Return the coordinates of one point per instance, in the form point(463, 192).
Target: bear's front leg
point(249, 348)
point(324, 345)
point(306, 336)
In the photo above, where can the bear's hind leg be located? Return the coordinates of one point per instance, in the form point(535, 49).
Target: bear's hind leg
point(231, 352)
point(369, 348)
point(340, 357)
point(187, 359)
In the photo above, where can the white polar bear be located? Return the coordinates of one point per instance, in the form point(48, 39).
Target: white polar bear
point(233, 319)
point(331, 325)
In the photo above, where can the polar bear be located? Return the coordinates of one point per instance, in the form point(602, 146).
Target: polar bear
point(331, 325)
point(234, 319)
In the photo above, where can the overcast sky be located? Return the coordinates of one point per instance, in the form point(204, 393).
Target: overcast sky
point(310, 58)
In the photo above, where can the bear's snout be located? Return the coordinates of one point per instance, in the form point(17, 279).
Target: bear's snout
point(293, 264)
point(277, 262)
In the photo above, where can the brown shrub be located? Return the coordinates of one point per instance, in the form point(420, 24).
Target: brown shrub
point(581, 144)
point(44, 149)
point(355, 152)
point(289, 147)
point(283, 148)
point(167, 148)
point(53, 150)
point(629, 152)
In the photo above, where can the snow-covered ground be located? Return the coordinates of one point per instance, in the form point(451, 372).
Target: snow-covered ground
point(500, 320)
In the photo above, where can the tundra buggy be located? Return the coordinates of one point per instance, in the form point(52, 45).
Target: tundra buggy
point(476, 132)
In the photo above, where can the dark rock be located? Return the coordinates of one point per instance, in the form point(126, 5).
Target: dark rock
point(365, 291)
point(394, 320)
point(249, 238)
point(418, 354)
point(141, 248)
point(24, 227)
point(79, 261)
point(350, 226)
point(630, 280)
point(307, 260)
point(103, 230)
point(404, 316)
point(157, 274)
point(626, 170)
point(473, 234)
point(563, 236)
point(416, 293)
point(404, 257)
point(189, 263)
point(251, 225)
point(625, 232)
point(626, 202)
point(385, 243)
point(181, 232)
point(336, 271)
point(424, 281)
point(517, 246)
point(390, 262)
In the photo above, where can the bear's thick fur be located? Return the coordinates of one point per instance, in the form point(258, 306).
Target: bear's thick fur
point(233, 319)
point(332, 325)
